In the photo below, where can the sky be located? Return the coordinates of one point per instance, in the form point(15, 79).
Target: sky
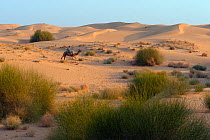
point(73, 13)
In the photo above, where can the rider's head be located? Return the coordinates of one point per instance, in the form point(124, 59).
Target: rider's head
point(69, 46)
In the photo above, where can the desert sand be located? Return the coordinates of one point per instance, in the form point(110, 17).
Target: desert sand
point(44, 56)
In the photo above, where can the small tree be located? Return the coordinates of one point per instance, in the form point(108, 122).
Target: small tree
point(41, 36)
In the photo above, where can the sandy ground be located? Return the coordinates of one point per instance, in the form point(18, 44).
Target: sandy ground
point(44, 57)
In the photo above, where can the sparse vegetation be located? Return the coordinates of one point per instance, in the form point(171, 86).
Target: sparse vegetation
point(199, 67)
point(41, 36)
point(2, 59)
point(207, 100)
point(12, 122)
point(125, 76)
point(81, 59)
point(109, 51)
point(199, 88)
point(108, 61)
point(194, 82)
point(111, 93)
point(200, 74)
point(25, 93)
point(47, 120)
point(147, 56)
point(90, 53)
point(207, 84)
point(178, 65)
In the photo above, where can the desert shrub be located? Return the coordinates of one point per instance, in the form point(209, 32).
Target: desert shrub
point(27, 48)
point(125, 76)
point(47, 120)
point(41, 36)
point(207, 100)
point(178, 65)
point(176, 73)
point(2, 59)
point(146, 85)
point(150, 121)
point(73, 118)
point(25, 93)
point(145, 55)
point(12, 122)
point(194, 82)
point(113, 59)
point(108, 61)
point(200, 74)
point(111, 93)
point(90, 53)
point(193, 71)
point(207, 84)
point(199, 88)
point(109, 51)
point(199, 67)
point(81, 59)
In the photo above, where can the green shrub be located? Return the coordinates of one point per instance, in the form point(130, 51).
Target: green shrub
point(41, 36)
point(207, 101)
point(90, 53)
point(208, 84)
point(150, 121)
point(145, 56)
point(73, 118)
point(194, 82)
point(199, 88)
point(109, 51)
point(108, 61)
point(2, 59)
point(146, 85)
point(199, 67)
point(12, 122)
point(25, 93)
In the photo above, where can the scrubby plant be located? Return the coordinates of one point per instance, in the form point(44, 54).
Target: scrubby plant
point(109, 51)
point(40, 35)
point(81, 59)
point(199, 67)
point(111, 93)
point(2, 59)
point(200, 74)
point(90, 53)
point(194, 82)
point(125, 76)
point(207, 84)
point(25, 93)
point(145, 55)
point(113, 59)
point(12, 122)
point(47, 120)
point(108, 61)
point(27, 48)
point(73, 89)
point(176, 73)
point(178, 65)
point(207, 100)
point(199, 88)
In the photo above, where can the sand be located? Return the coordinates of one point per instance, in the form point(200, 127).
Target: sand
point(44, 57)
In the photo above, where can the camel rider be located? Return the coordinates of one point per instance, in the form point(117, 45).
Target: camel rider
point(69, 51)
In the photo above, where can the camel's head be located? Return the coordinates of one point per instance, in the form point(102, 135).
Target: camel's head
point(79, 51)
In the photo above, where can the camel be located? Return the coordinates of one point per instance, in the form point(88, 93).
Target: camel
point(71, 55)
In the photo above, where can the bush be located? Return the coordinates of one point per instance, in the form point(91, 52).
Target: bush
point(208, 84)
point(207, 101)
point(90, 53)
point(151, 121)
point(108, 61)
point(194, 82)
point(200, 74)
point(146, 85)
point(47, 120)
point(109, 51)
point(12, 122)
point(199, 67)
point(146, 55)
point(2, 59)
point(25, 93)
point(113, 59)
point(41, 36)
point(125, 76)
point(199, 88)
point(111, 93)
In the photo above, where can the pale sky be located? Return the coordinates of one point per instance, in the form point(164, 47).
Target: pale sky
point(72, 13)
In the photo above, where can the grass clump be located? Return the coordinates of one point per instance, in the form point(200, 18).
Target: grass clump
point(148, 56)
point(40, 35)
point(111, 93)
point(125, 76)
point(12, 122)
point(108, 61)
point(207, 84)
point(109, 51)
point(90, 53)
point(25, 93)
point(194, 82)
point(2, 59)
point(199, 67)
point(199, 88)
point(89, 119)
point(207, 101)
